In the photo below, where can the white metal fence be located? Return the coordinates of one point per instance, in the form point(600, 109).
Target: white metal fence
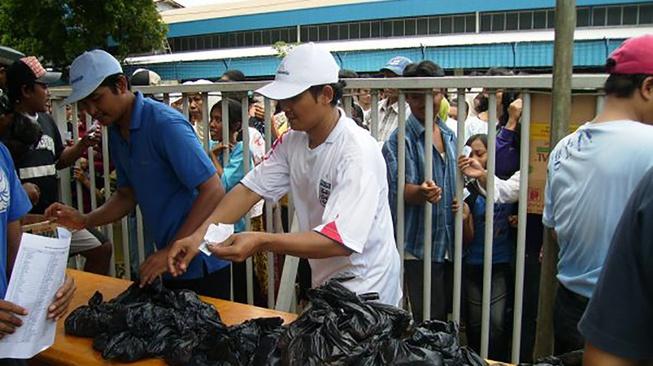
point(457, 85)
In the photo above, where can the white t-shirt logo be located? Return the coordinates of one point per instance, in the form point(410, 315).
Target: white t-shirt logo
point(325, 192)
point(4, 192)
point(46, 143)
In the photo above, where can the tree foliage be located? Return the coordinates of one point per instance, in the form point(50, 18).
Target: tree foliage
point(59, 30)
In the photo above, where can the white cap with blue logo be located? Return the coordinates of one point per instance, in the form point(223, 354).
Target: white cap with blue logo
point(305, 66)
point(397, 64)
point(88, 71)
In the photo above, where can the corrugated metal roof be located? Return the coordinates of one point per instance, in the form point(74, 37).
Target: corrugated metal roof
point(265, 14)
point(237, 8)
point(592, 53)
point(398, 43)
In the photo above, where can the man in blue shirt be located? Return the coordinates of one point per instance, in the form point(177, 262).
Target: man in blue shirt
point(440, 192)
point(14, 204)
point(160, 166)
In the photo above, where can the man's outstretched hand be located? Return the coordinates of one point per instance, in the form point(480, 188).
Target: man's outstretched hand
point(66, 216)
point(182, 252)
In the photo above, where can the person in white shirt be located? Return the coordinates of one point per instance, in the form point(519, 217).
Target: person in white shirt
point(389, 107)
point(477, 124)
point(337, 177)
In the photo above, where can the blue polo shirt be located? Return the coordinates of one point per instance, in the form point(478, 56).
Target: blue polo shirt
point(163, 163)
point(14, 204)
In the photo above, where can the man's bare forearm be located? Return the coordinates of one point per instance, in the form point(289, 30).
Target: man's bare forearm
point(235, 204)
point(70, 155)
point(304, 245)
point(412, 195)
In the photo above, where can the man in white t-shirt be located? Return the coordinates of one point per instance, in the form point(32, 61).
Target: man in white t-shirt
point(337, 177)
point(591, 175)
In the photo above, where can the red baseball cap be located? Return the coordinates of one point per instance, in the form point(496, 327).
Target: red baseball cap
point(634, 56)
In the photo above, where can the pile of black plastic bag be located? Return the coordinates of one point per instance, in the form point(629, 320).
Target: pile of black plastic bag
point(574, 358)
point(339, 328)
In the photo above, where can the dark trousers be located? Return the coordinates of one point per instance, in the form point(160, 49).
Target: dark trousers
point(12, 362)
point(500, 308)
point(569, 308)
point(532, 267)
point(240, 282)
point(216, 284)
point(441, 288)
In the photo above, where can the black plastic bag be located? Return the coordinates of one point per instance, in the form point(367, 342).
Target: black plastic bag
point(574, 358)
point(339, 328)
point(443, 337)
point(124, 347)
point(146, 322)
point(85, 320)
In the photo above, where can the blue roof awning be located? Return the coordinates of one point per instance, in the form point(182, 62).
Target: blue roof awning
point(508, 55)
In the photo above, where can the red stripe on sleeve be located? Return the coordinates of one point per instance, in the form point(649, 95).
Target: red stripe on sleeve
point(331, 231)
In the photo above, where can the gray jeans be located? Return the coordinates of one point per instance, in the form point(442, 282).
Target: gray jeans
point(500, 308)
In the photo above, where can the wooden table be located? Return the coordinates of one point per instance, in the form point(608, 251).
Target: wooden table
point(71, 350)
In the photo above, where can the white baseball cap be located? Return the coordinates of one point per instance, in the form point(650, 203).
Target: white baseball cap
point(305, 66)
point(88, 71)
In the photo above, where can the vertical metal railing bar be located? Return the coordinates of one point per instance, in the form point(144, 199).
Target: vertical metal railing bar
point(520, 254)
point(458, 237)
point(600, 102)
point(206, 119)
point(140, 235)
point(268, 206)
point(374, 125)
point(225, 131)
point(78, 185)
point(106, 172)
point(249, 264)
point(347, 102)
point(401, 182)
point(184, 106)
point(124, 230)
point(225, 161)
point(59, 111)
point(428, 207)
point(489, 224)
point(90, 154)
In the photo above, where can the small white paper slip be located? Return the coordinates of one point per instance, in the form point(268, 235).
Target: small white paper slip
point(467, 151)
point(466, 193)
point(38, 273)
point(216, 234)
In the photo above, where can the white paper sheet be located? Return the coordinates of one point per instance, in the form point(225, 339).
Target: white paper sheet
point(216, 234)
point(38, 272)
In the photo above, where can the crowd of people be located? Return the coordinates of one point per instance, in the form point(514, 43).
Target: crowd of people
point(344, 183)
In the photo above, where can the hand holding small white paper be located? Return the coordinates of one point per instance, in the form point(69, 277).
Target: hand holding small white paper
point(216, 234)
